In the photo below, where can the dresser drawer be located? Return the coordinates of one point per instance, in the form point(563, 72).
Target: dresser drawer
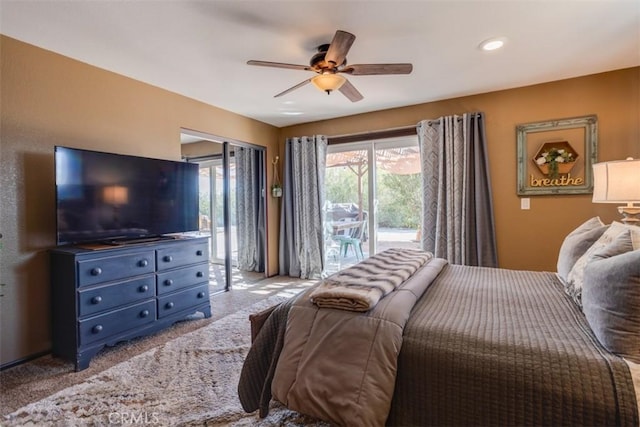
point(102, 270)
point(181, 255)
point(100, 328)
point(96, 299)
point(174, 280)
point(183, 300)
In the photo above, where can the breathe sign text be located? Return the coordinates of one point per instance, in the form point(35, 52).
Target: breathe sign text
point(561, 181)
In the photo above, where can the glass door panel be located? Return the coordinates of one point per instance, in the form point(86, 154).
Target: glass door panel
point(211, 219)
point(211, 203)
point(233, 211)
point(218, 254)
point(346, 209)
point(363, 218)
point(398, 206)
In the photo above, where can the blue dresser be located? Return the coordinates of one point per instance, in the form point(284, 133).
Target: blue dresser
point(102, 295)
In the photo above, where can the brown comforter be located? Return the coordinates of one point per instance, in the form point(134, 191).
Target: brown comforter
point(482, 347)
point(361, 349)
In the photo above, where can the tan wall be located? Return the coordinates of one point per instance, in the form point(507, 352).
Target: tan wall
point(201, 148)
point(48, 100)
point(527, 239)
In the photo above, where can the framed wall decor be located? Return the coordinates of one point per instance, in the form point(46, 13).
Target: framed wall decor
point(556, 156)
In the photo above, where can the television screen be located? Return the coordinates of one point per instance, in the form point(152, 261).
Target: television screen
point(103, 197)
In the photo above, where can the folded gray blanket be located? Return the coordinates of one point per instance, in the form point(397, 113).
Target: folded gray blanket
point(360, 287)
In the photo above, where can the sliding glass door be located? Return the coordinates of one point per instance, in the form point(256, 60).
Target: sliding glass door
point(211, 207)
point(372, 193)
point(232, 208)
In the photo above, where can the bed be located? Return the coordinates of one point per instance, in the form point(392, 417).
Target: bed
point(476, 345)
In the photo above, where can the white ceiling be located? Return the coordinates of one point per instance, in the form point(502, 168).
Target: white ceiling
point(200, 48)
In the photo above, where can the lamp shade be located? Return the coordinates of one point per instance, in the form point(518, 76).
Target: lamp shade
point(616, 182)
point(328, 82)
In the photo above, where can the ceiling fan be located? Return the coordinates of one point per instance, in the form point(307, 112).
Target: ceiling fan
point(330, 62)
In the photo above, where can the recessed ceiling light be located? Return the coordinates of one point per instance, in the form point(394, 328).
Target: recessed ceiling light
point(493, 43)
point(292, 113)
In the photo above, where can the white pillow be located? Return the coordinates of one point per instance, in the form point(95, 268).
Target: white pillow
point(611, 297)
point(576, 244)
point(633, 229)
point(575, 277)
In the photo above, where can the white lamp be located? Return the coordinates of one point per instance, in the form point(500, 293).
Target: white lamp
point(328, 81)
point(619, 182)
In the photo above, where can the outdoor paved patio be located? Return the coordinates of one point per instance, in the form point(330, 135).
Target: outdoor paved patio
point(387, 238)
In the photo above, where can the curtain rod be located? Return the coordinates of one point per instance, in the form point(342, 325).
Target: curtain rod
point(437, 121)
point(458, 118)
point(385, 133)
point(379, 134)
point(375, 131)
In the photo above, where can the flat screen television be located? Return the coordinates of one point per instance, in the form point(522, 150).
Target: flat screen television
point(114, 198)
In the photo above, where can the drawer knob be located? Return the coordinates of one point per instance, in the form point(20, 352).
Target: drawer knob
point(168, 282)
point(199, 252)
point(199, 274)
point(96, 300)
point(167, 258)
point(143, 263)
point(169, 305)
point(143, 288)
point(201, 294)
point(144, 313)
point(96, 329)
point(96, 271)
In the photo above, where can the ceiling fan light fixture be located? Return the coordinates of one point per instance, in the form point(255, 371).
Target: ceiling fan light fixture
point(328, 82)
point(330, 61)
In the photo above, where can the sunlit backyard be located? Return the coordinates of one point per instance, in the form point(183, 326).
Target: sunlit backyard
point(359, 221)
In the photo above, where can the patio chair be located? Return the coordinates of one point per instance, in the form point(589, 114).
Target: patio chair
point(331, 245)
point(354, 239)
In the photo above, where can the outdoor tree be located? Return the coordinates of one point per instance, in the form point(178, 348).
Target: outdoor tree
point(399, 200)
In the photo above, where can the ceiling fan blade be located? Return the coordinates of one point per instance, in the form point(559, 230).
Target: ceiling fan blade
point(339, 47)
point(350, 92)
point(299, 85)
point(377, 69)
point(280, 65)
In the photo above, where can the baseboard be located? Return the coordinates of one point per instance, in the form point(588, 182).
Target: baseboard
point(23, 360)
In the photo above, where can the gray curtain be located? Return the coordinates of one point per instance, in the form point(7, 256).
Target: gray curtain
point(457, 220)
point(250, 208)
point(301, 234)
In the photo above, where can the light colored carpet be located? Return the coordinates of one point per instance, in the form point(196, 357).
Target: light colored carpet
point(188, 381)
point(34, 380)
